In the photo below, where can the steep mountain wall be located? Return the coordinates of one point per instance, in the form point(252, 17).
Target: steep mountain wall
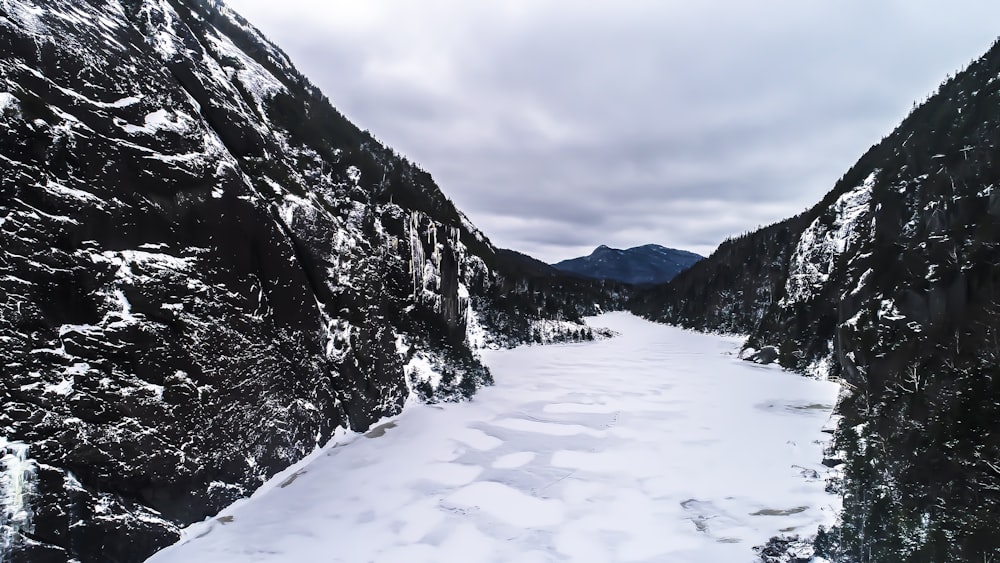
point(891, 282)
point(205, 270)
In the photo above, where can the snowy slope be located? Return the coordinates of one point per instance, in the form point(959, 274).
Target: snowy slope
point(658, 445)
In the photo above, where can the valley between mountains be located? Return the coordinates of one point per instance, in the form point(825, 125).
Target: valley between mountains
point(208, 274)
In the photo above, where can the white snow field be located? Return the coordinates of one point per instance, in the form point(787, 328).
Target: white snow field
point(657, 445)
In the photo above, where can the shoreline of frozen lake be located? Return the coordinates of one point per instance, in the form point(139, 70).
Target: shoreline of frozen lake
point(657, 445)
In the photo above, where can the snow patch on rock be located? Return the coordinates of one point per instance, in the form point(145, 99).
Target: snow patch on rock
point(9, 104)
point(255, 79)
point(822, 243)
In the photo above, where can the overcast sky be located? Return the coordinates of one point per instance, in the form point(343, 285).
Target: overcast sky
point(559, 125)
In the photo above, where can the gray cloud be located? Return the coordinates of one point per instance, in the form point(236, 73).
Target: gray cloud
point(560, 125)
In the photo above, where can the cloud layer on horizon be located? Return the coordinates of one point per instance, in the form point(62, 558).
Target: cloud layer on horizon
point(559, 125)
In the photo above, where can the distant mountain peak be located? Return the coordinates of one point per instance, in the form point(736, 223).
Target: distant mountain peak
point(640, 265)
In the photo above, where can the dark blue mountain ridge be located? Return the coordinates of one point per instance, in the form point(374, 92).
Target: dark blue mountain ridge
point(641, 265)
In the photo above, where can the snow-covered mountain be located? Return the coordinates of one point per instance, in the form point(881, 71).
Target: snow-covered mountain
point(205, 270)
point(640, 265)
point(892, 284)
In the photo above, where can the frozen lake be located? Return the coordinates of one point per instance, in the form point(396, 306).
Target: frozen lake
point(658, 445)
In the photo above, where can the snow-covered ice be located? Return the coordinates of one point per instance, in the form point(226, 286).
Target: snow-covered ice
point(657, 445)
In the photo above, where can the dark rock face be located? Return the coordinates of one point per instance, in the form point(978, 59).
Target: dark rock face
point(642, 265)
point(790, 549)
point(766, 355)
point(204, 271)
point(890, 283)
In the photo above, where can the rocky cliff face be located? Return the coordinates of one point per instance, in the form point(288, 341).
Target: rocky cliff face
point(205, 270)
point(891, 283)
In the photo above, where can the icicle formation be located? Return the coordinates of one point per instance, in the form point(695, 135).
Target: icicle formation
point(17, 485)
point(426, 273)
point(416, 254)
